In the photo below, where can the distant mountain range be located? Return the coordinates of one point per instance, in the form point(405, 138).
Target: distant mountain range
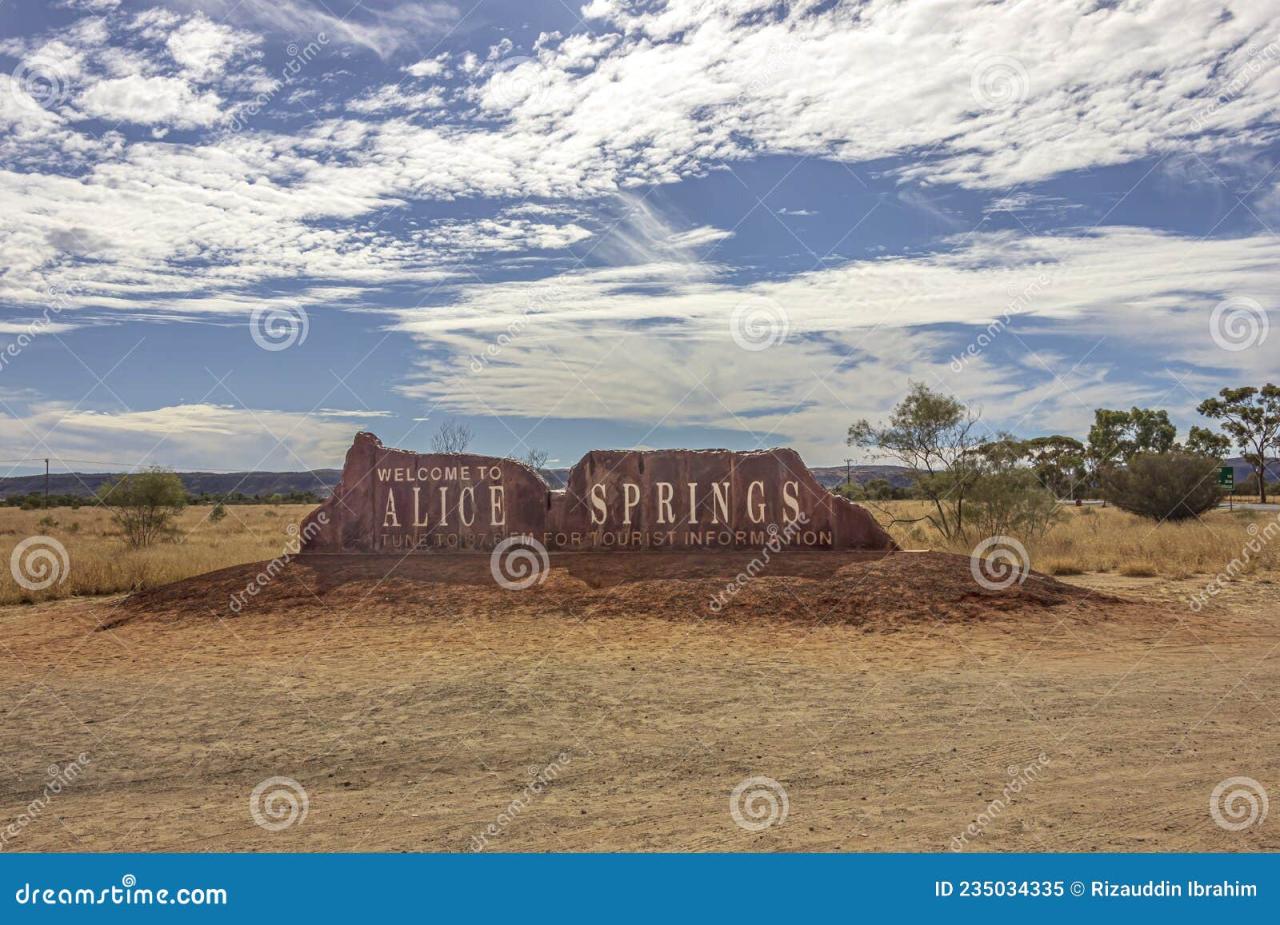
point(322, 481)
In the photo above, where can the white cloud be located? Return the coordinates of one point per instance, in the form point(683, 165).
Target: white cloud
point(985, 95)
point(391, 97)
point(654, 343)
point(381, 27)
point(93, 6)
point(428, 67)
point(203, 48)
point(34, 325)
point(152, 101)
point(498, 235)
point(187, 436)
point(969, 92)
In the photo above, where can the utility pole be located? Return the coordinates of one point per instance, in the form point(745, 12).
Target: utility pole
point(848, 472)
point(46, 484)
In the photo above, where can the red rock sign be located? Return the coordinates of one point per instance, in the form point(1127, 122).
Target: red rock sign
point(397, 501)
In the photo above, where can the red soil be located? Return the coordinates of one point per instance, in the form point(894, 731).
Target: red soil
point(874, 590)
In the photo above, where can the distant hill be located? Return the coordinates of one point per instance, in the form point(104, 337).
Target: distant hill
point(322, 481)
point(1244, 470)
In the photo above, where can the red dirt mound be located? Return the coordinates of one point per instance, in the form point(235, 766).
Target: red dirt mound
point(874, 590)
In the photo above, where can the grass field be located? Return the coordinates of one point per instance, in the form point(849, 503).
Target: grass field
point(100, 562)
point(1086, 540)
point(1097, 539)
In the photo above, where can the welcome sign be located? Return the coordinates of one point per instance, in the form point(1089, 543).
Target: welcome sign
point(397, 501)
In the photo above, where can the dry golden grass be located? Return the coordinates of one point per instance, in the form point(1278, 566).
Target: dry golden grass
point(100, 562)
point(1098, 539)
point(1088, 539)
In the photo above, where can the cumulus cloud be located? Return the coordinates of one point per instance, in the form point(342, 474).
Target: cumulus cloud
point(988, 95)
point(203, 47)
point(152, 101)
point(428, 67)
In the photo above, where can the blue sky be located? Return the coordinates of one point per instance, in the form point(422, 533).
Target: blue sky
point(236, 232)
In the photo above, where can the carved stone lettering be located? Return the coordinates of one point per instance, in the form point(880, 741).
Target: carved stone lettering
point(399, 502)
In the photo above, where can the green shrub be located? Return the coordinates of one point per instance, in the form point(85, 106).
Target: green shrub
point(1011, 502)
point(144, 505)
point(1164, 486)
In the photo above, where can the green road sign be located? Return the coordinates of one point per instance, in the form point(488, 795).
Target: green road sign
point(1226, 477)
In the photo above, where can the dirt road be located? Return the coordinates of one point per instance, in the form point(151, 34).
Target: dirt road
point(446, 728)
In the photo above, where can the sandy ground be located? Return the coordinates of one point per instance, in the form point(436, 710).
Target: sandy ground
point(428, 722)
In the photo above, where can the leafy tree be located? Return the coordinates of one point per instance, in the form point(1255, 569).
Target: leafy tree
point(144, 504)
point(1251, 416)
point(879, 490)
point(1163, 486)
point(850, 490)
point(452, 437)
point(1058, 462)
point(932, 434)
point(1205, 442)
point(1011, 501)
point(1116, 436)
point(1248, 487)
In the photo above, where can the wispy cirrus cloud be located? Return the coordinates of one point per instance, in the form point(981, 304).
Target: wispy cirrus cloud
point(202, 159)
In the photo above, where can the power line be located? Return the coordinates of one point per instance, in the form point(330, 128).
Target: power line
point(55, 460)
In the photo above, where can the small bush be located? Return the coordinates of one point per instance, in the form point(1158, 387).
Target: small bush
point(1061, 567)
point(218, 512)
point(144, 505)
point(1011, 503)
point(1138, 570)
point(1164, 486)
